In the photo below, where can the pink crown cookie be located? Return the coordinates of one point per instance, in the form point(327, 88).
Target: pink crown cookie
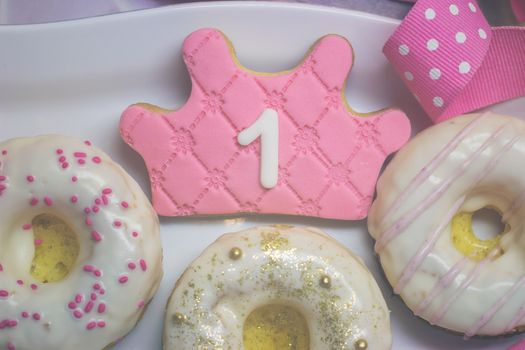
point(283, 143)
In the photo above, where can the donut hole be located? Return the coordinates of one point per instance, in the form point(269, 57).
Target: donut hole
point(476, 234)
point(56, 248)
point(276, 327)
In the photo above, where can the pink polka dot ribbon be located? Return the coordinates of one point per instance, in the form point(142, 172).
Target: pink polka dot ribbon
point(518, 346)
point(453, 61)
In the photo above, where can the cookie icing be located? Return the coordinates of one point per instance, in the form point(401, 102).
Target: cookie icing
point(328, 156)
point(459, 166)
point(118, 268)
point(302, 268)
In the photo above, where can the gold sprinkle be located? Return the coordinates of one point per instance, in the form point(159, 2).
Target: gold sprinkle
point(273, 241)
point(325, 281)
point(361, 344)
point(178, 318)
point(235, 253)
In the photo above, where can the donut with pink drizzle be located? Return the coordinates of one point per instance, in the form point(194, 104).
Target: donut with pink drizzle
point(116, 269)
point(421, 221)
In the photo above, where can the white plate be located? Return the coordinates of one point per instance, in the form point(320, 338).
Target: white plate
point(77, 77)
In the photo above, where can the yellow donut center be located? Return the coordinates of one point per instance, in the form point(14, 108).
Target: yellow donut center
point(276, 327)
point(465, 239)
point(56, 248)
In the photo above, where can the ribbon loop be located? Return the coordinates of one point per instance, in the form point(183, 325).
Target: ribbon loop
point(453, 61)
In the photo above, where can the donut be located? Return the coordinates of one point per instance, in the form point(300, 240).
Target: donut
point(276, 287)
point(80, 253)
point(421, 220)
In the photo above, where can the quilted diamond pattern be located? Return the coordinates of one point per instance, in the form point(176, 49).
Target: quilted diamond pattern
point(329, 157)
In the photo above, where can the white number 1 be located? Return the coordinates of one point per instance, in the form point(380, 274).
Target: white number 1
point(267, 127)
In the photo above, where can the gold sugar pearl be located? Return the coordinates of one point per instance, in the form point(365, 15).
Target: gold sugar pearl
point(361, 344)
point(178, 318)
point(325, 281)
point(235, 253)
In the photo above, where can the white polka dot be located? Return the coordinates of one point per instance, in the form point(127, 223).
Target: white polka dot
point(430, 14)
point(482, 33)
point(432, 45)
point(437, 101)
point(403, 50)
point(434, 73)
point(409, 76)
point(472, 7)
point(461, 37)
point(464, 67)
point(454, 10)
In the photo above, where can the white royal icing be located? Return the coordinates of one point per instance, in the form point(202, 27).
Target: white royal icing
point(118, 268)
point(267, 127)
point(279, 264)
point(461, 165)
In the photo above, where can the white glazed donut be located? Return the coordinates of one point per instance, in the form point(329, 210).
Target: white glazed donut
point(427, 248)
point(118, 268)
point(302, 268)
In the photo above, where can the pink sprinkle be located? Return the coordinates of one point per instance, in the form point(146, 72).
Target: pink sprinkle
point(25, 314)
point(96, 160)
point(87, 142)
point(62, 159)
point(36, 316)
point(93, 296)
point(95, 209)
point(74, 179)
point(48, 201)
point(80, 154)
point(20, 282)
point(124, 204)
point(30, 178)
point(143, 265)
point(89, 268)
point(1, 268)
point(98, 201)
point(27, 226)
point(38, 241)
point(81, 161)
point(101, 324)
point(78, 298)
point(2, 187)
point(96, 286)
point(135, 234)
point(96, 236)
point(74, 199)
point(4, 152)
point(105, 199)
point(78, 314)
point(123, 279)
point(60, 151)
point(101, 308)
point(89, 307)
point(34, 201)
point(87, 210)
point(140, 303)
point(102, 291)
point(72, 305)
point(65, 165)
point(117, 223)
point(91, 325)
point(89, 222)
point(3, 324)
point(132, 266)
point(33, 286)
point(4, 293)
point(12, 323)
point(106, 191)
point(10, 346)
point(2, 178)
point(97, 273)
